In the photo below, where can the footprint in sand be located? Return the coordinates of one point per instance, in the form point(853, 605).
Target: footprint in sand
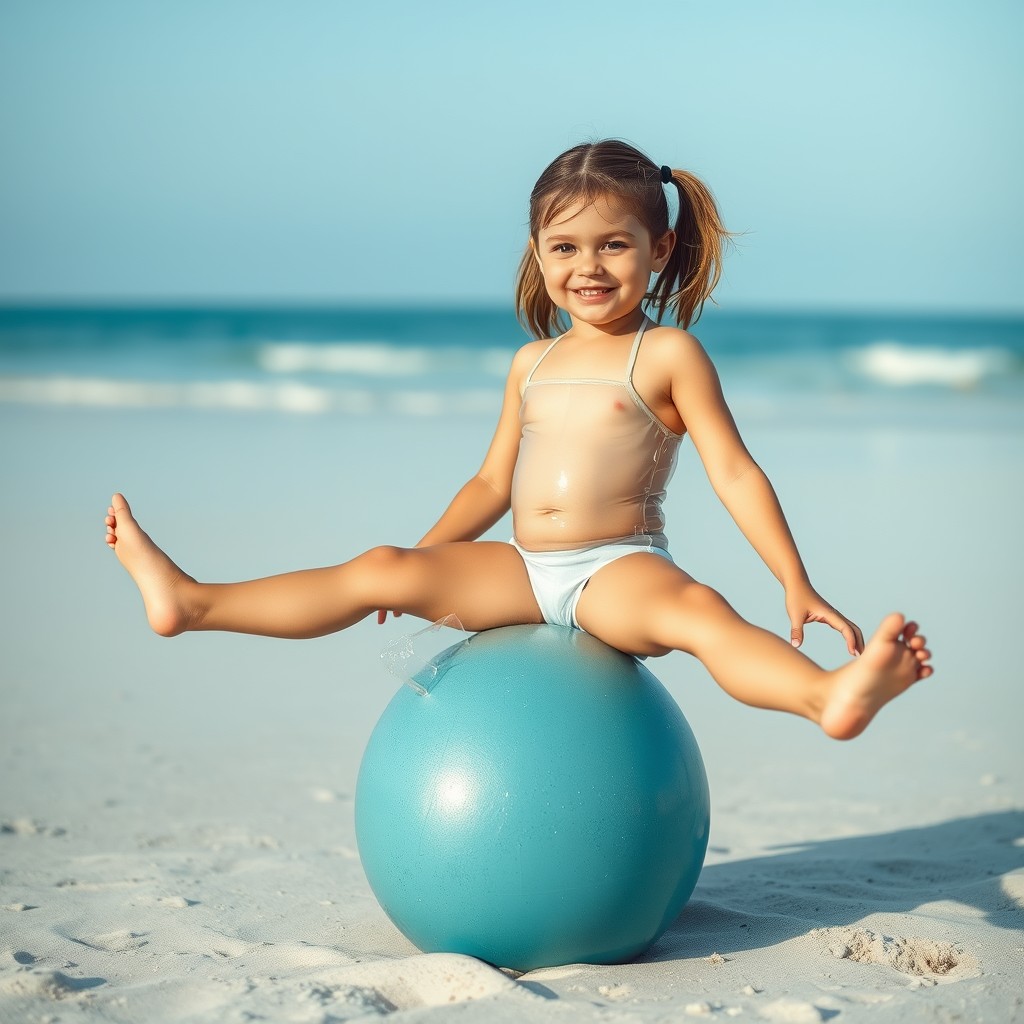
point(176, 902)
point(427, 979)
point(929, 959)
point(46, 985)
point(113, 942)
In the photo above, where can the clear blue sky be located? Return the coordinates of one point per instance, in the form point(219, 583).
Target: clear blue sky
point(870, 151)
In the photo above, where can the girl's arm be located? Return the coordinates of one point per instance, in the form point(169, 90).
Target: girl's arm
point(487, 496)
point(746, 492)
point(475, 509)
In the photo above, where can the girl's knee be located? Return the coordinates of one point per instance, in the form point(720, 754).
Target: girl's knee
point(378, 570)
point(692, 617)
point(383, 558)
point(702, 599)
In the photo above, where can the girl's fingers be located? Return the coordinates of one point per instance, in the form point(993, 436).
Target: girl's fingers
point(851, 638)
point(851, 633)
point(796, 634)
point(855, 638)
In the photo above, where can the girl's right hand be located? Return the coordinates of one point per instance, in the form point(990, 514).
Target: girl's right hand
point(382, 616)
point(805, 605)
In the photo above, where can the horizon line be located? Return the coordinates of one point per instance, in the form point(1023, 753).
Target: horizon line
point(239, 304)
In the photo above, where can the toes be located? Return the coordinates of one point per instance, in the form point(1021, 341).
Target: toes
point(892, 626)
point(916, 642)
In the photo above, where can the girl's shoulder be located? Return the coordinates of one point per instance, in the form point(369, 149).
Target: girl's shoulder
point(528, 354)
point(673, 362)
point(672, 346)
point(525, 359)
point(531, 350)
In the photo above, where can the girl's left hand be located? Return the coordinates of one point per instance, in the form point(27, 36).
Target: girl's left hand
point(807, 605)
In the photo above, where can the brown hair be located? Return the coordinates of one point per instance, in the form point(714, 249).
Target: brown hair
point(611, 167)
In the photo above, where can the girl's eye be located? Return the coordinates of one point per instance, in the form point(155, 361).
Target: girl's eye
point(615, 245)
point(563, 248)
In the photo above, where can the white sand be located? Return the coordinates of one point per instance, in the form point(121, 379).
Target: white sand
point(176, 829)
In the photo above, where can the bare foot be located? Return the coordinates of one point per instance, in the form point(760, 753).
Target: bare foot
point(893, 660)
point(159, 580)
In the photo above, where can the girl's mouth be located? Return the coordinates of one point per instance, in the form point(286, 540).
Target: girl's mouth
point(592, 293)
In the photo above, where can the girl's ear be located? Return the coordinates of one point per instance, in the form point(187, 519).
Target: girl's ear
point(662, 250)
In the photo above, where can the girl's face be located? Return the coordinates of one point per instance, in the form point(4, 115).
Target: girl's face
point(597, 262)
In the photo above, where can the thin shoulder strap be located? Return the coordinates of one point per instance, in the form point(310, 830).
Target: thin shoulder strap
point(635, 349)
point(529, 376)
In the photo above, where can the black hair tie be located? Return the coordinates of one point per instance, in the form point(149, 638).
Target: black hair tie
point(666, 174)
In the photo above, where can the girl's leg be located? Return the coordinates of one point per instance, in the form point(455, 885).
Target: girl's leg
point(643, 604)
point(484, 584)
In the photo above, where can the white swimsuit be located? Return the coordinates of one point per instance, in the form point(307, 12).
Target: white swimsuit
point(594, 459)
point(558, 578)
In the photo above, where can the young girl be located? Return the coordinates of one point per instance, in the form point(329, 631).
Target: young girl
point(584, 448)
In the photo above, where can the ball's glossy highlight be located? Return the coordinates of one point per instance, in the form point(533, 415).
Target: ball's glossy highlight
point(545, 803)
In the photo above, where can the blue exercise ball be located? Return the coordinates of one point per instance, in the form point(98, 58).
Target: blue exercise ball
point(544, 803)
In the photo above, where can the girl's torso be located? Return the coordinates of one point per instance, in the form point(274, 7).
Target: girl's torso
point(594, 459)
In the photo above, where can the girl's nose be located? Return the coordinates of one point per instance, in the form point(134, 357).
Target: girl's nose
point(589, 264)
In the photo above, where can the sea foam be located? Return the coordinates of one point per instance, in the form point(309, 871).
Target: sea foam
point(244, 396)
point(890, 363)
point(379, 359)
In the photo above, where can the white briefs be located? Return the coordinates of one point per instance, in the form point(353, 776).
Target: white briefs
point(558, 577)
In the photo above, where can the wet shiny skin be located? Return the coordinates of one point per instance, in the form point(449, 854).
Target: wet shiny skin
point(594, 462)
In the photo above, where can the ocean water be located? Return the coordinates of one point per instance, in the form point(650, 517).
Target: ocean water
point(452, 361)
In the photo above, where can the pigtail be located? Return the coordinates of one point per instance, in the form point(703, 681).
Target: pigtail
point(695, 266)
point(534, 308)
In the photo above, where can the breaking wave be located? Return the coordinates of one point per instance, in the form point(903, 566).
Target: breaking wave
point(241, 395)
point(895, 365)
point(379, 359)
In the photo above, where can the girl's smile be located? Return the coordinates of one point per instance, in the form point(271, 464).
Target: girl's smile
point(593, 294)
